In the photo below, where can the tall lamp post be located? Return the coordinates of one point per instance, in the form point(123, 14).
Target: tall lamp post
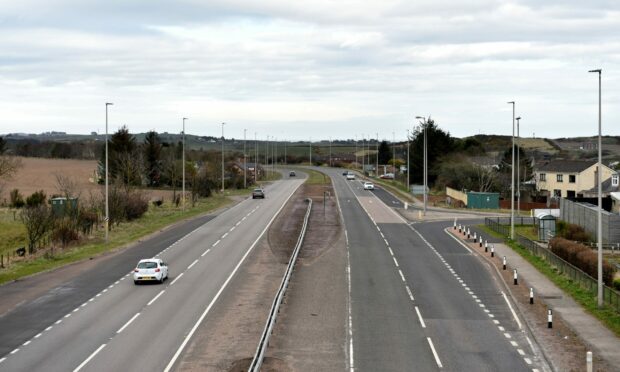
point(599, 229)
point(223, 156)
point(255, 158)
point(407, 183)
point(377, 157)
point(518, 169)
point(183, 163)
point(310, 149)
point(512, 182)
point(394, 154)
point(424, 124)
point(107, 205)
point(245, 162)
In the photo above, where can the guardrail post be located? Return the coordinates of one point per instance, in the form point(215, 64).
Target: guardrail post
point(549, 319)
point(516, 277)
point(504, 263)
point(531, 296)
point(589, 361)
point(492, 250)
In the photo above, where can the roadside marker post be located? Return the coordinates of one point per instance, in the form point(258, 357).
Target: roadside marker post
point(486, 246)
point(516, 277)
point(531, 296)
point(492, 250)
point(454, 223)
point(504, 262)
point(468, 233)
point(475, 237)
point(481, 242)
point(589, 361)
point(549, 319)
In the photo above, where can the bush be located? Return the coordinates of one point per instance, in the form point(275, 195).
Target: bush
point(135, 206)
point(37, 198)
point(64, 232)
point(86, 221)
point(17, 200)
point(572, 232)
point(582, 257)
point(158, 202)
point(617, 284)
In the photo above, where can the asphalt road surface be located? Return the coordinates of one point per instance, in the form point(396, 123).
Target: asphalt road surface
point(101, 321)
point(420, 300)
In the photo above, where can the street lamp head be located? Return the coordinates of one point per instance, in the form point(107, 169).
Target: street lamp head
point(420, 117)
point(108, 104)
point(518, 118)
point(597, 70)
point(511, 102)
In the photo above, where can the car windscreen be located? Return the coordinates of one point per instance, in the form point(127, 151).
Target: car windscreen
point(147, 265)
point(258, 190)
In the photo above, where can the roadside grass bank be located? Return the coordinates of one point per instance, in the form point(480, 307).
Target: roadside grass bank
point(154, 219)
point(317, 178)
point(608, 316)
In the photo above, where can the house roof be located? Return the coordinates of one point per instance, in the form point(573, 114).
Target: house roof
point(606, 187)
point(569, 166)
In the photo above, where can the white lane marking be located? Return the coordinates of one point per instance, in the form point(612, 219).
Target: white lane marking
point(48, 328)
point(238, 223)
point(219, 292)
point(27, 343)
point(91, 299)
point(14, 351)
point(76, 309)
point(420, 317)
point(244, 217)
point(104, 291)
point(409, 292)
point(231, 229)
point(216, 243)
point(351, 366)
point(507, 335)
point(156, 297)
point(395, 262)
point(192, 264)
point(495, 321)
point(430, 342)
point(531, 345)
point(514, 343)
point(527, 360)
point(391, 252)
point(501, 328)
point(84, 304)
point(386, 242)
point(68, 315)
point(2, 360)
point(514, 315)
point(128, 323)
point(225, 235)
point(205, 252)
point(89, 358)
point(38, 335)
point(401, 275)
point(177, 278)
point(521, 352)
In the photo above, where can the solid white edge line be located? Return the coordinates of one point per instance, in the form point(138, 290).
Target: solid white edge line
point(177, 278)
point(2, 360)
point(89, 358)
point(219, 292)
point(156, 297)
point(192, 264)
point(430, 342)
point(128, 323)
point(420, 317)
point(514, 315)
point(457, 240)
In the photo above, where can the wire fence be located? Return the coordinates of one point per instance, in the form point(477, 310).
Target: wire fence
point(610, 296)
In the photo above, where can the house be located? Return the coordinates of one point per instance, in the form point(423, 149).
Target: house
point(570, 178)
point(250, 168)
point(615, 202)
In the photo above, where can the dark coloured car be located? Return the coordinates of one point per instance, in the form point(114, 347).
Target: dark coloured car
point(292, 174)
point(258, 193)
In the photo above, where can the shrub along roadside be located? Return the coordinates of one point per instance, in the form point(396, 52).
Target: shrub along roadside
point(608, 316)
point(583, 257)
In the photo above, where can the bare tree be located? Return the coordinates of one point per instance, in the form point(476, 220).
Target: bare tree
point(9, 165)
point(38, 221)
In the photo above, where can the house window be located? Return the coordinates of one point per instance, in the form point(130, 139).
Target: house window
point(559, 178)
point(557, 193)
point(542, 177)
point(615, 180)
point(572, 178)
point(570, 194)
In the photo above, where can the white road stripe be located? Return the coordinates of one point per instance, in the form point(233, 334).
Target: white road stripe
point(177, 278)
point(128, 323)
point(48, 328)
point(38, 335)
point(89, 358)
point(27, 342)
point(216, 243)
point(225, 235)
point(14, 351)
point(514, 315)
point(430, 342)
point(401, 275)
point(192, 264)
point(507, 335)
point(2, 360)
point(409, 292)
point(156, 297)
point(514, 343)
point(420, 317)
point(395, 262)
point(521, 352)
point(205, 252)
point(238, 223)
point(527, 360)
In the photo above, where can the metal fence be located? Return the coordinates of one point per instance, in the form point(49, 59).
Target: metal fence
point(610, 296)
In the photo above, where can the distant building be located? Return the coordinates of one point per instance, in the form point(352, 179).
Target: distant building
point(571, 178)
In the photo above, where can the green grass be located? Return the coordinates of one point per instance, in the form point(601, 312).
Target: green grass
point(316, 177)
point(155, 219)
point(607, 315)
point(12, 232)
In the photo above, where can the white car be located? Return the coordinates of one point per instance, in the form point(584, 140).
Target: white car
point(350, 176)
point(150, 270)
point(369, 186)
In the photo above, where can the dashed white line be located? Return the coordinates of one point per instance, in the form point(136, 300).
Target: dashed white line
point(231, 229)
point(27, 343)
point(50, 327)
point(395, 262)
point(527, 360)
point(521, 352)
point(192, 264)
point(430, 342)
point(216, 243)
point(501, 328)
point(225, 235)
point(238, 223)
point(409, 292)
point(89, 358)
point(156, 297)
point(507, 335)
point(205, 252)
point(177, 278)
point(2, 360)
point(128, 323)
point(420, 317)
point(14, 351)
point(402, 276)
point(514, 343)
point(38, 335)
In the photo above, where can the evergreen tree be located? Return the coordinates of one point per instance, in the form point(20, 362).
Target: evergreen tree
point(385, 153)
point(439, 143)
point(2, 145)
point(123, 158)
point(152, 158)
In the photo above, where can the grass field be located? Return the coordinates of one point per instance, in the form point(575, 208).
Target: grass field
point(585, 298)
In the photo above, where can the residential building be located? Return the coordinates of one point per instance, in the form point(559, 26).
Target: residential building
point(571, 178)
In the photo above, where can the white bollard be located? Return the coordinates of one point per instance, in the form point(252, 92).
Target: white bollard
point(492, 250)
point(504, 262)
point(549, 319)
point(516, 277)
point(531, 296)
point(486, 245)
point(589, 361)
point(475, 237)
point(406, 205)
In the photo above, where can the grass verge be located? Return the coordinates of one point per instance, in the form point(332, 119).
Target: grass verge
point(317, 178)
point(607, 315)
point(154, 219)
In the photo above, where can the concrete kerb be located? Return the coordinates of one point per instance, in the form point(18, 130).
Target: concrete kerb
point(589, 329)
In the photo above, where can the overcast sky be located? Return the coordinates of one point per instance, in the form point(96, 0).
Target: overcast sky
point(301, 69)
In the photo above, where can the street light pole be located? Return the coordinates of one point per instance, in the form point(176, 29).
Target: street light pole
point(330, 151)
point(394, 154)
point(363, 153)
point(425, 162)
point(600, 204)
point(518, 169)
point(255, 158)
point(223, 156)
point(407, 183)
point(245, 162)
point(377, 157)
point(512, 182)
point(310, 149)
point(107, 205)
point(183, 163)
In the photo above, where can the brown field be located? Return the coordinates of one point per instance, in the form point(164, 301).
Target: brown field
point(40, 174)
point(536, 143)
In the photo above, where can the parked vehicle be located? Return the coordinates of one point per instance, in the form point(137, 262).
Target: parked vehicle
point(292, 174)
point(369, 186)
point(387, 176)
point(258, 193)
point(150, 270)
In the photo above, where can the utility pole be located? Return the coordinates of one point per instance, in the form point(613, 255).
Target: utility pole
point(255, 158)
point(107, 205)
point(518, 169)
point(330, 151)
point(512, 182)
point(363, 152)
point(223, 156)
point(599, 182)
point(183, 161)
